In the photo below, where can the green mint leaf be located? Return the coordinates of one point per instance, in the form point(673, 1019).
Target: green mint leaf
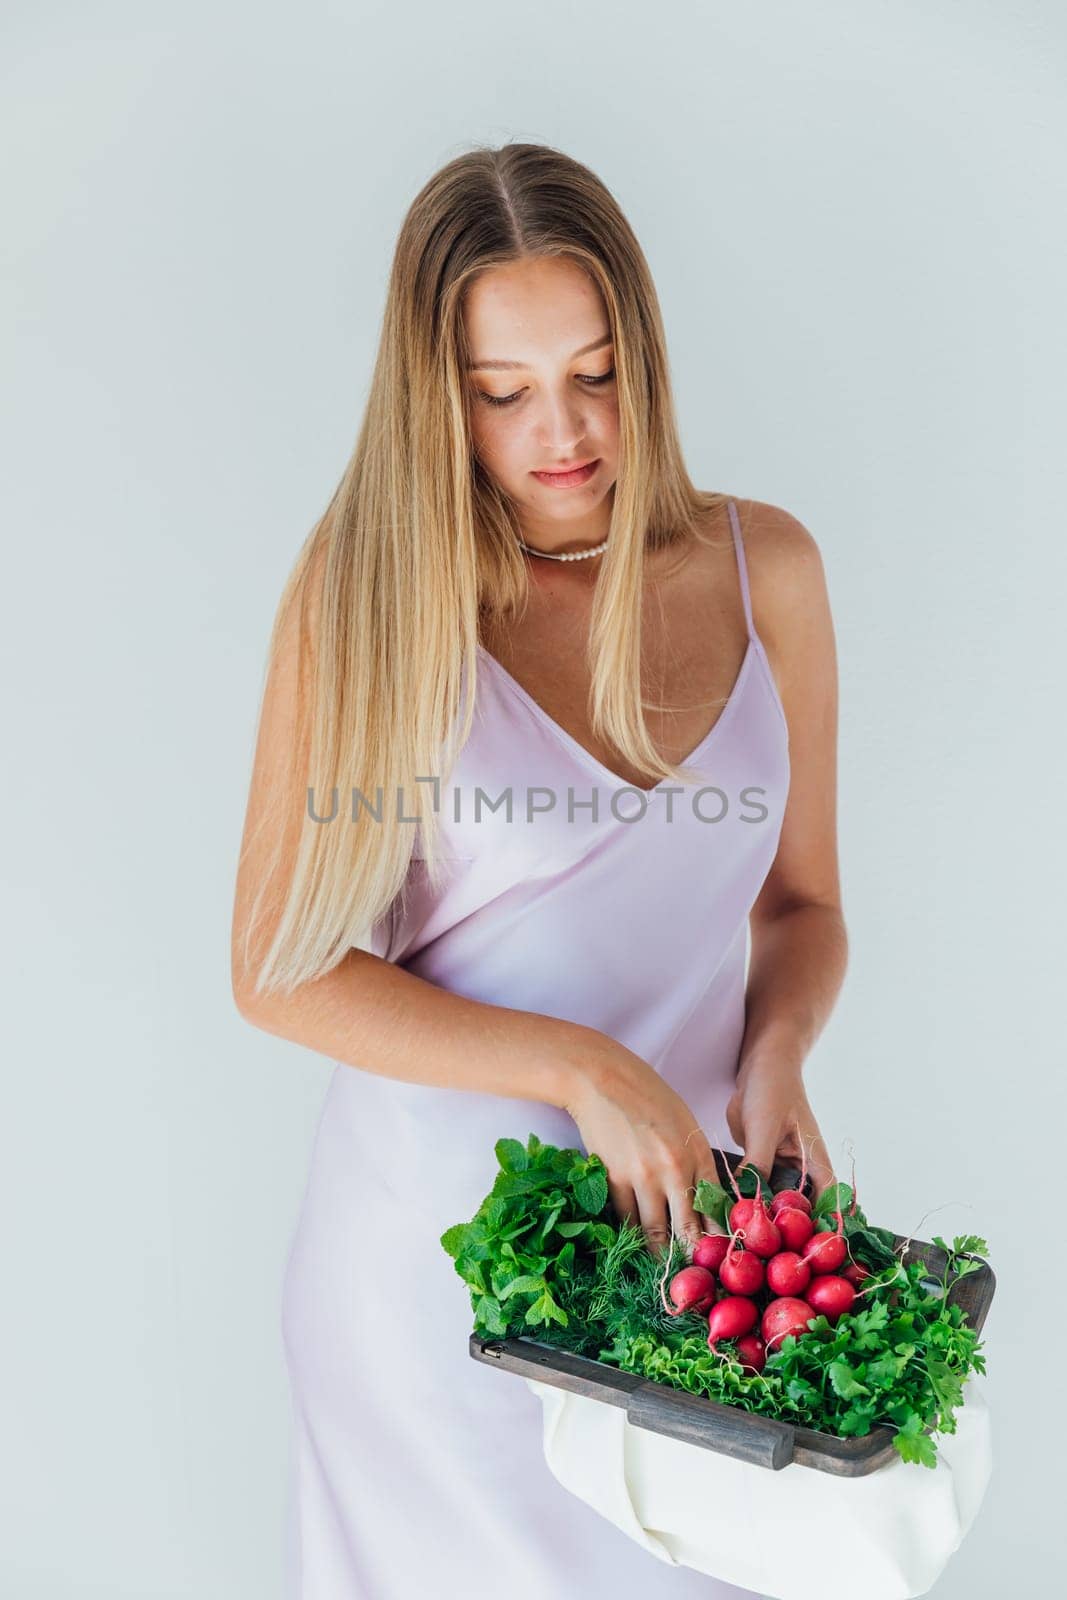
point(511, 1155)
point(489, 1316)
point(545, 1309)
point(550, 1222)
point(592, 1192)
point(511, 1184)
point(523, 1285)
point(574, 1230)
point(522, 1226)
point(453, 1239)
point(472, 1272)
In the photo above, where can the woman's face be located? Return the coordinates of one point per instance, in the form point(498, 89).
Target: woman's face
point(543, 395)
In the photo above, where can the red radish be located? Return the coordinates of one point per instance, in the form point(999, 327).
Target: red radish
point(855, 1273)
point(783, 1317)
point(788, 1274)
point(742, 1272)
point(691, 1289)
point(710, 1250)
point(789, 1199)
point(752, 1220)
point(795, 1227)
point(832, 1296)
point(740, 1214)
point(731, 1317)
point(825, 1252)
point(751, 1353)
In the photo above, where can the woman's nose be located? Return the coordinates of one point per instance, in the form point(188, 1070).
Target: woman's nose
point(561, 426)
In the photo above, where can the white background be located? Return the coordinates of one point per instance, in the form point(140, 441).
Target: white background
point(855, 218)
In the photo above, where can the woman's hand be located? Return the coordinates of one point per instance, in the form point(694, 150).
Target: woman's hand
point(650, 1142)
point(771, 1119)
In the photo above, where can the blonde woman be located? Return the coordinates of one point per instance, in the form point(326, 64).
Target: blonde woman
point(516, 590)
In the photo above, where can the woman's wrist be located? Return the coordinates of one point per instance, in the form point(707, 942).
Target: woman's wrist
point(783, 1060)
point(588, 1060)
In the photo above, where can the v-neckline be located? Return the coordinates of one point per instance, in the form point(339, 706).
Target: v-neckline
point(587, 755)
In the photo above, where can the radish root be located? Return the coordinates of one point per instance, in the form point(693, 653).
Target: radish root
point(902, 1250)
point(729, 1172)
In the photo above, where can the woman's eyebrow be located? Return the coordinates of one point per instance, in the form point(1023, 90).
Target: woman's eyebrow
point(522, 366)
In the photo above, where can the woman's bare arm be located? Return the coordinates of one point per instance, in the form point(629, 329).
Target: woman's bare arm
point(370, 1013)
point(799, 939)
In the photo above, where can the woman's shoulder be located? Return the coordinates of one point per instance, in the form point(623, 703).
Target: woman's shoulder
point(782, 556)
point(786, 579)
point(773, 537)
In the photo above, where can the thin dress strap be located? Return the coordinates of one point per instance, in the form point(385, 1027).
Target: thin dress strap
point(742, 570)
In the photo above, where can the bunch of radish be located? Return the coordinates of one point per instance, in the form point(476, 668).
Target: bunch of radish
point(768, 1277)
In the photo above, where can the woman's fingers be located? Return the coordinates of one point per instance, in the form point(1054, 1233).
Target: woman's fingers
point(686, 1223)
point(822, 1172)
point(662, 1215)
point(625, 1202)
point(655, 1219)
point(806, 1144)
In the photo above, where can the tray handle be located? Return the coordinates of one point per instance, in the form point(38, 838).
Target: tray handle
point(730, 1430)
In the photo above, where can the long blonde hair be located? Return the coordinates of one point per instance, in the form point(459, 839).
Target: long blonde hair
point(418, 550)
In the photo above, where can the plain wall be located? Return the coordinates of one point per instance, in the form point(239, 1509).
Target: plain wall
point(855, 219)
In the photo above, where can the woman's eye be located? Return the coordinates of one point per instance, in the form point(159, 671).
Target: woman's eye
point(509, 399)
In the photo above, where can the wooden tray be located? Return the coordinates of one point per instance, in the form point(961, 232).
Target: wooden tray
point(730, 1430)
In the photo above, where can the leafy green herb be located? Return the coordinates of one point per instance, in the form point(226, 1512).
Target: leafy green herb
point(532, 1236)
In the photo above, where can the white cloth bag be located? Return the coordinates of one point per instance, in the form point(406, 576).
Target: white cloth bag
point(792, 1534)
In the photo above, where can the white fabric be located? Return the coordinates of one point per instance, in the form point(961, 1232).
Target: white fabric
point(752, 1525)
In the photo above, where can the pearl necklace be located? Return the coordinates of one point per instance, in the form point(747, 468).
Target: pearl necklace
point(571, 555)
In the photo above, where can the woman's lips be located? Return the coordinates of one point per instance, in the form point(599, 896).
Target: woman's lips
point(568, 480)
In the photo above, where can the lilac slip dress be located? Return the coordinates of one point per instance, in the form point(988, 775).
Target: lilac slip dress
point(416, 1472)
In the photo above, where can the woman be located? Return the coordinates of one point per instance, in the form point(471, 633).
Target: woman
point(516, 591)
